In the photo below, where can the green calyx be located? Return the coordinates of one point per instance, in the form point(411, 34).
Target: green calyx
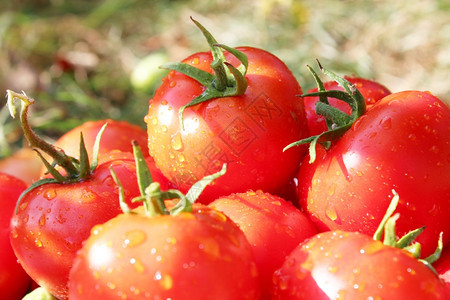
point(153, 198)
point(406, 242)
point(226, 81)
point(337, 121)
point(75, 169)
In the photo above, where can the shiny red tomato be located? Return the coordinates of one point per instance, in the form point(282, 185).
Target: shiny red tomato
point(401, 143)
point(54, 219)
point(14, 282)
point(272, 225)
point(351, 265)
point(246, 131)
point(371, 90)
point(192, 255)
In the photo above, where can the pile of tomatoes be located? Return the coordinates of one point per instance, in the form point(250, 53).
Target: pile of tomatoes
point(242, 187)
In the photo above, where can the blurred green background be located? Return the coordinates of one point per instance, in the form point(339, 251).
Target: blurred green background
point(92, 59)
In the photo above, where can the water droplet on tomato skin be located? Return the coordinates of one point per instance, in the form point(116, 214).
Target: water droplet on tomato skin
point(50, 194)
point(386, 123)
point(330, 212)
point(177, 143)
point(134, 238)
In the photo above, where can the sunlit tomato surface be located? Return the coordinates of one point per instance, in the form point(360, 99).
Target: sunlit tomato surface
point(23, 164)
point(401, 143)
point(117, 136)
point(198, 255)
point(272, 225)
point(371, 90)
point(247, 132)
point(54, 219)
point(14, 282)
point(351, 265)
point(442, 266)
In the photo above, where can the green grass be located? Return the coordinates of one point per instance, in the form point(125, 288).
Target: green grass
point(404, 44)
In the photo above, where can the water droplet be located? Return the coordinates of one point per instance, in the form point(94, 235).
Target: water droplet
point(330, 212)
point(50, 194)
point(14, 233)
point(434, 149)
point(177, 142)
point(386, 123)
point(181, 158)
point(163, 128)
point(38, 242)
point(138, 266)
point(332, 269)
point(134, 238)
point(25, 218)
point(23, 205)
point(434, 211)
point(110, 285)
point(195, 61)
point(332, 189)
point(42, 220)
point(371, 247)
point(171, 84)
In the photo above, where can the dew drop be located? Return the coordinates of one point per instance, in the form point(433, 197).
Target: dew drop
point(42, 220)
point(50, 194)
point(434, 211)
point(195, 61)
point(23, 205)
point(177, 143)
point(171, 84)
point(371, 247)
point(386, 123)
point(134, 238)
point(38, 242)
point(330, 212)
point(137, 265)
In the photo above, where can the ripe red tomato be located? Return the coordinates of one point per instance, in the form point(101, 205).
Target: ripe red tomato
point(191, 255)
point(401, 143)
point(116, 136)
point(371, 90)
point(54, 219)
point(272, 225)
point(351, 265)
point(14, 282)
point(248, 132)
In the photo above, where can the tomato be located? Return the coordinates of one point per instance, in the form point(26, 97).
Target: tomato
point(401, 143)
point(272, 225)
point(246, 131)
point(116, 136)
point(55, 215)
point(186, 256)
point(14, 282)
point(54, 219)
point(23, 164)
point(371, 90)
point(351, 265)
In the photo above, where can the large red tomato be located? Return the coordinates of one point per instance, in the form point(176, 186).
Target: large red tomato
point(351, 265)
point(192, 255)
point(247, 131)
point(401, 143)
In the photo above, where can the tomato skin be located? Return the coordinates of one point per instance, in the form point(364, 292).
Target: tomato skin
point(442, 266)
point(272, 225)
point(402, 143)
point(351, 265)
point(195, 255)
point(117, 136)
point(371, 90)
point(247, 132)
point(14, 282)
point(54, 219)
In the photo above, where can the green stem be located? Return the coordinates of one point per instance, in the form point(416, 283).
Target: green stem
point(33, 139)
